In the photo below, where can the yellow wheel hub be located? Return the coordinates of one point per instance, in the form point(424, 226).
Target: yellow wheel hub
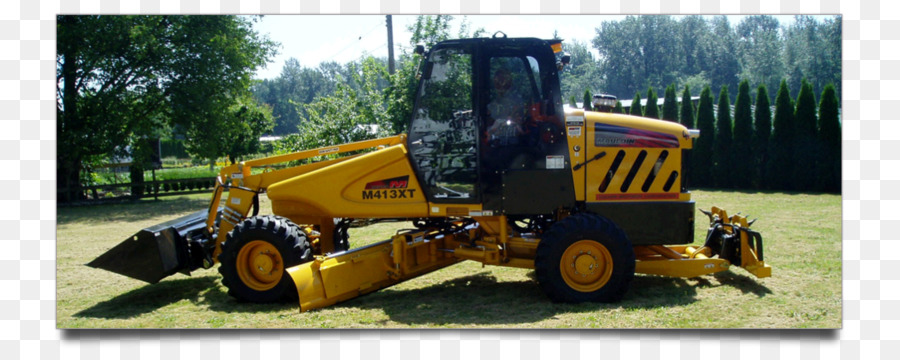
point(586, 266)
point(259, 265)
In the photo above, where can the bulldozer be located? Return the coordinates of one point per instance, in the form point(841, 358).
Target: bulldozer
point(493, 169)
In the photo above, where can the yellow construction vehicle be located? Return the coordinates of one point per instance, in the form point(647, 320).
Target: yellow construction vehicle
point(493, 169)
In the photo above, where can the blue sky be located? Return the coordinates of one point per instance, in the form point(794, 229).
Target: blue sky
point(313, 39)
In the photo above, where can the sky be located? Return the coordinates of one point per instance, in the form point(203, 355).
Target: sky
point(313, 39)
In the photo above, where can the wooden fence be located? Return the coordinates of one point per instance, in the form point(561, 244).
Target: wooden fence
point(94, 194)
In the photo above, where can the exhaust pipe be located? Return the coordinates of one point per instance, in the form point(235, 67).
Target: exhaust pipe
point(179, 245)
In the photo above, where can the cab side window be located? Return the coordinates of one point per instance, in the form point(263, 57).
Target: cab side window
point(442, 135)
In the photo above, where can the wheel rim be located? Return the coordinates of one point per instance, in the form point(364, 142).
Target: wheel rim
point(586, 266)
point(259, 265)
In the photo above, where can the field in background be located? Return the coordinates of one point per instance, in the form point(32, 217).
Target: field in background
point(802, 235)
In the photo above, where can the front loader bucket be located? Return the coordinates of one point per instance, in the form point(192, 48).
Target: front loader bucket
point(157, 251)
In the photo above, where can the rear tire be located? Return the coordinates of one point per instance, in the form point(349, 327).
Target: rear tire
point(255, 256)
point(584, 257)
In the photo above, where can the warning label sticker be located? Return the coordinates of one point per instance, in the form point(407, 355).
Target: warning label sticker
point(556, 162)
point(574, 130)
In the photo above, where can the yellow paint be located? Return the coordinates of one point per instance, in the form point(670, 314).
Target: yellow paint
point(340, 190)
point(586, 265)
point(259, 265)
point(598, 170)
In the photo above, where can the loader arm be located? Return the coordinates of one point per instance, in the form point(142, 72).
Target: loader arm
point(243, 186)
point(194, 241)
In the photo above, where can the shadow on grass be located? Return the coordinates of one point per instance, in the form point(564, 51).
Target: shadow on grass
point(152, 297)
point(130, 212)
point(744, 283)
point(476, 299)
point(481, 299)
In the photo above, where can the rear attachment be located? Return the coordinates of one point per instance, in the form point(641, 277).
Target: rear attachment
point(729, 241)
point(179, 245)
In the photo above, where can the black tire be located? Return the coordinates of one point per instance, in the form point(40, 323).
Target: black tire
point(606, 264)
point(284, 244)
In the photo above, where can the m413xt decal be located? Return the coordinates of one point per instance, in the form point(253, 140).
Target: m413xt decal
point(394, 188)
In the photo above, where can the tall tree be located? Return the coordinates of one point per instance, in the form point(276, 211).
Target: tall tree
point(783, 138)
point(812, 51)
point(829, 166)
point(694, 35)
point(652, 109)
point(347, 115)
point(670, 105)
point(760, 49)
point(636, 105)
point(123, 79)
point(724, 66)
point(762, 148)
point(722, 144)
point(401, 93)
point(702, 155)
point(618, 43)
point(687, 109)
point(572, 102)
point(583, 72)
point(618, 109)
point(742, 147)
point(807, 149)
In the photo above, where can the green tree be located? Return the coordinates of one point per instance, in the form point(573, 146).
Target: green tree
point(634, 53)
point(124, 79)
point(670, 105)
point(829, 166)
point(723, 65)
point(618, 109)
point(702, 154)
point(807, 150)
point(346, 116)
point(583, 72)
point(693, 35)
point(238, 128)
point(652, 109)
point(636, 105)
point(687, 109)
point(572, 102)
point(742, 147)
point(783, 138)
point(587, 100)
point(295, 85)
point(762, 149)
point(401, 92)
point(722, 144)
point(812, 51)
point(760, 48)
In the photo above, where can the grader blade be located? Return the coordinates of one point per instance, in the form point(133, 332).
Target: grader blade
point(342, 276)
point(158, 251)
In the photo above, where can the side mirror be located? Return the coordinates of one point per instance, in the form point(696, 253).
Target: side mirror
point(420, 49)
point(426, 73)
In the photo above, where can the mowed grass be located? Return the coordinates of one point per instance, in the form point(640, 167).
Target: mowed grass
point(802, 235)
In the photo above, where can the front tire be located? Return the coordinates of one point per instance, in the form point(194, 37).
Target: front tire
point(255, 256)
point(584, 257)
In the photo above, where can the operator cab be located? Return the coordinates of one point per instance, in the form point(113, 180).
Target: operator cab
point(488, 126)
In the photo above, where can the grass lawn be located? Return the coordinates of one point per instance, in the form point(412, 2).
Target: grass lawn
point(801, 232)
